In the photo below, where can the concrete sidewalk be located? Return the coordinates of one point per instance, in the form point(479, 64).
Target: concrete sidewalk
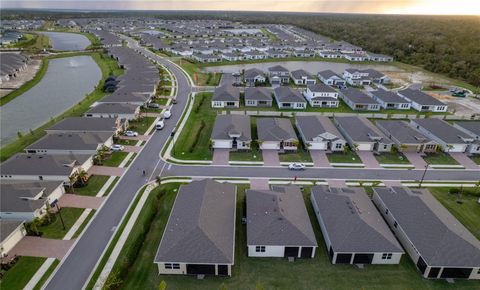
point(259, 184)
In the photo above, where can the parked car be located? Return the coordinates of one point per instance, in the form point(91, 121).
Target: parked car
point(296, 166)
point(117, 147)
point(153, 105)
point(174, 101)
point(131, 133)
point(167, 114)
point(159, 125)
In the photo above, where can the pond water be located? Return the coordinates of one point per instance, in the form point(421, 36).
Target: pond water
point(67, 41)
point(66, 82)
point(312, 67)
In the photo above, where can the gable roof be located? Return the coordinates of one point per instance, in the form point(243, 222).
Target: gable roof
point(252, 73)
point(471, 126)
point(113, 108)
point(360, 129)
point(71, 141)
point(226, 93)
point(277, 68)
point(278, 217)
point(321, 87)
point(7, 228)
point(326, 74)
point(420, 97)
point(352, 222)
point(25, 196)
point(402, 132)
point(317, 126)
point(357, 96)
point(388, 96)
point(227, 125)
point(298, 74)
point(201, 226)
point(258, 94)
point(275, 129)
point(85, 125)
point(33, 164)
point(444, 131)
point(287, 94)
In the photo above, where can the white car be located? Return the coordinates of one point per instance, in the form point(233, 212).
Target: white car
point(167, 114)
point(296, 166)
point(131, 134)
point(159, 125)
point(117, 147)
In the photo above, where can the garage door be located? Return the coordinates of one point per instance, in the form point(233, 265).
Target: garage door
point(363, 258)
point(364, 147)
point(456, 273)
point(195, 269)
point(222, 144)
point(291, 252)
point(306, 252)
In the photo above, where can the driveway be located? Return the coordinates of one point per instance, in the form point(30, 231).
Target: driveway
point(259, 183)
point(227, 79)
point(463, 159)
point(337, 183)
point(106, 170)
point(139, 137)
point(135, 149)
point(270, 157)
point(221, 156)
point(368, 159)
point(416, 159)
point(319, 158)
point(80, 201)
point(41, 247)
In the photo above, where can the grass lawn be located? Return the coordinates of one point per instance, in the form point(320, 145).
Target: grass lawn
point(253, 155)
point(141, 125)
point(468, 212)
point(54, 230)
point(440, 158)
point(271, 273)
point(161, 101)
point(301, 155)
point(115, 159)
point(95, 183)
point(392, 158)
point(32, 43)
point(126, 142)
point(193, 143)
point(107, 65)
point(19, 275)
point(46, 275)
point(476, 159)
point(344, 157)
point(200, 78)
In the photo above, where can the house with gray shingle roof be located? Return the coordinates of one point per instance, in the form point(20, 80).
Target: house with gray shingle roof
point(199, 238)
point(288, 98)
point(319, 133)
point(353, 230)
point(302, 77)
point(330, 78)
point(423, 102)
point(438, 244)
point(253, 76)
point(11, 232)
point(114, 110)
point(277, 134)
point(278, 75)
point(358, 100)
point(390, 100)
point(278, 224)
point(472, 128)
point(406, 138)
point(321, 95)
point(81, 124)
point(258, 97)
point(226, 96)
point(232, 132)
point(66, 143)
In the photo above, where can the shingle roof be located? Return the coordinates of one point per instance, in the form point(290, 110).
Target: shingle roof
point(85, 125)
point(317, 126)
point(226, 93)
point(258, 94)
point(321, 87)
point(71, 141)
point(7, 228)
point(388, 96)
point(352, 222)
point(402, 132)
point(28, 164)
point(277, 68)
point(252, 73)
point(298, 74)
point(360, 129)
point(23, 196)
point(227, 125)
point(436, 234)
point(113, 108)
point(357, 96)
point(278, 217)
point(420, 97)
point(326, 74)
point(201, 226)
point(470, 126)
point(275, 129)
point(443, 131)
point(287, 94)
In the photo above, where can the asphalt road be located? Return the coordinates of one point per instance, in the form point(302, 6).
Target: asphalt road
point(76, 268)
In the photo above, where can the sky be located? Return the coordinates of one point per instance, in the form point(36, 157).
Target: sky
point(437, 7)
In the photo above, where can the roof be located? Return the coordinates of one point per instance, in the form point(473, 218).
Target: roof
point(278, 217)
point(420, 97)
point(113, 108)
point(228, 126)
point(275, 129)
point(85, 124)
point(471, 126)
point(317, 127)
point(25, 196)
point(252, 73)
point(443, 131)
point(388, 96)
point(226, 93)
point(300, 73)
point(321, 87)
point(259, 94)
point(360, 129)
point(71, 141)
point(402, 132)
point(326, 74)
point(357, 96)
point(287, 94)
point(352, 222)
point(201, 226)
point(437, 235)
point(7, 228)
point(277, 68)
point(32, 164)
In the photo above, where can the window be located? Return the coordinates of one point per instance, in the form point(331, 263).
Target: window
point(395, 224)
point(386, 211)
point(168, 266)
point(338, 146)
point(386, 256)
point(176, 266)
point(260, 249)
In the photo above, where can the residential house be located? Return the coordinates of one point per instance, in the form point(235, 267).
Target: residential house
point(288, 98)
point(357, 77)
point(379, 57)
point(254, 55)
point(321, 95)
point(271, 53)
point(226, 96)
point(11, 232)
point(355, 56)
point(91, 125)
point(353, 230)
point(406, 138)
point(318, 133)
point(438, 244)
point(232, 132)
point(232, 56)
point(253, 77)
point(423, 102)
point(71, 143)
point(329, 54)
point(278, 224)
point(358, 100)
point(377, 77)
point(199, 238)
point(258, 97)
point(277, 134)
point(472, 128)
point(278, 75)
point(114, 110)
point(362, 135)
point(205, 58)
point(390, 100)
point(330, 78)
point(301, 77)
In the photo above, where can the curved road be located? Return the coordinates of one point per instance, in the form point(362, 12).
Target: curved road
point(76, 268)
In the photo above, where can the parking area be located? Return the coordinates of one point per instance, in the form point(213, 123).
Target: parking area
point(368, 159)
point(270, 158)
point(106, 170)
point(221, 156)
point(41, 247)
point(319, 158)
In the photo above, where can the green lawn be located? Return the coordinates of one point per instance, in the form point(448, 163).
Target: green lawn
point(126, 142)
point(141, 125)
point(392, 158)
point(194, 71)
point(467, 212)
point(476, 159)
point(54, 229)
point(193, 143)
point(161, 101)
point(344, 157)
point(253, 155)
point(440, 158)
point(115, 159)
point(301, 155)
point(270, 273)
point(19, 275)
point(46, 275)
point(95, 183)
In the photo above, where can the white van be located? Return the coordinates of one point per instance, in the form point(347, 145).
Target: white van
point(167, 114)
point(159, 125)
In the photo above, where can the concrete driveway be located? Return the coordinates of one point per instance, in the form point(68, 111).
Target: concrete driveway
point(368, 159)
point(270, 157)
point(337, 183)
point(106, 170)
point(319, 158)
point(139, 137)
point(41, 247)
point(134, 149)
point(80, 201)
point(259, 184)
point(416, 159)
point(221, 156)
point(463, 159)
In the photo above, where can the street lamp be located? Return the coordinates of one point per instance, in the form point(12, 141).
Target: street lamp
point(423, 175)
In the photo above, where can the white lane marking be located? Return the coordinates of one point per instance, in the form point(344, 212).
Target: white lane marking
point(169, 166)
